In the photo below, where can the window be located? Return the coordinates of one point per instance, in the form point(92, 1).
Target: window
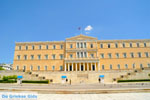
point(141, 65)
point(40, 47)
point(70, 45)
point(148, 65)
point(124, 55)
point(116, 45)
point(138, 44)
point(123, 45)
point(146, 54)
point(139, 55)
point(130, 45)
point(84, 45)
point(132, 55)
point(19, 47)
point(61, 68)
point(33, 47)
point(17, 67)
point(32, 57)
point(81, 54)
point(101, 45)
point(61, 56)
point(92, 55)
point(91, 45)
point(103, 67)
point(38, 67)
point(145, 45)
point(25, 57)
point(54, 46)
point(85, 54)
point(24, 67)
point(18, 57)
point(133, 66)
point(118, 66)
point(78, 55)
point(77, 45)
point(71, 56)
point(117, 55)
point(26, 47)
point(45, 67)
point(108, 45)
point(46, 56)
point(110, 66)
point(47, 47)
point(61, 46)
point(102, 55)
point(81, 45)
point(126, 66)
point(109, 55)
point(53, 68)
point(53, 56)
point(31, 67)
point(39, 57)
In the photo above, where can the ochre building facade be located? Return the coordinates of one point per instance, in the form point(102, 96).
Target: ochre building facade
point(82, 53)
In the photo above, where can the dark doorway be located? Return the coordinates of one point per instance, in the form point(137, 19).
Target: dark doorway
point(81, 67)
point(93, 67)
point(70, 68)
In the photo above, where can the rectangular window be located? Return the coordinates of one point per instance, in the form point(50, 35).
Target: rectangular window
point(47, 47)
point(123, 45)
point(108, 45)
point(40, 47)
point(110, 66)
point(81, 54)
point(109, 55)
point(92, 55)
point(116, 45)
point(24, 67)
point(46, 56)
point(85, 54)
point(17, 67)
point(124, 55)
point(54, 46)
point(84, 45)
point(148, 65)
point(70, 45)
point(32, 57)
point(53, 56)
point(61, 56)
point(103, 67)
point(45, 67)
point(18, 57)
point(117, 55)
point(133, 66)
point(141, 66)
point(102, 55)
point(61, 68)
point(145, 45)
point(53, 68)
point(78, 55)
point(132, 55)
point(138, 44)
point(139, 55)
point(81, 45)
point(26, 47)
point(31, 67)
point(19, 47)
point(91, 45)
point(118, 66)
point(38, 67)
point(61, 46)
point(33, 47)
point(101, 45)
point(77, 45)
point(146, 54)
point(126, 66)
point(39, 57)
point(130, 45)
point(71, 56)
point(25, 57)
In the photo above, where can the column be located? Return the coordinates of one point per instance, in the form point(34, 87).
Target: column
point(95, 65)
point(91, 67)
point(83, 54)
point(65, 67)
point(98, 66)
point(80, 66)
point(72, 66)
point(87, 66)
point(76, 67)
point(68, 67)
point(84, 67)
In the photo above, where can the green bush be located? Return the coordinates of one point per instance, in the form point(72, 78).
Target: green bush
point(139, 80)
point(33, 81)
point(6, 78)
point(1, 68)
point(8, 81)
point(148, 74)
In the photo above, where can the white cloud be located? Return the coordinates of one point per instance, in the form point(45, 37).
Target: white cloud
point(88, 28)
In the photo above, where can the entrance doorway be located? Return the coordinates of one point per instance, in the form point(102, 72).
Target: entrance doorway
point(81, 67)
point(93, 67)
point(70, 68)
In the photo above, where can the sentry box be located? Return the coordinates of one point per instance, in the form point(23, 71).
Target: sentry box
point(19, 79)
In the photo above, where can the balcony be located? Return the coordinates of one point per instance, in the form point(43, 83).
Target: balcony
point(82, 59)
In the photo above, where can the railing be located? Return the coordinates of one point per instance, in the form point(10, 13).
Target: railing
point(95, 58)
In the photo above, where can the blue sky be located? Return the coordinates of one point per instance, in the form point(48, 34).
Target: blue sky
point(54, 20)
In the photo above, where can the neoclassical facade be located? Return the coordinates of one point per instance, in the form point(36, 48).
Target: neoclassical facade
point(82, 53)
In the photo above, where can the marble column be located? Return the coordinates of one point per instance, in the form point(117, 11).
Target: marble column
point(72, 66)
point(91, 67)
point(84, 67)
point(80, 66)
point(95, 66)
point(68, 67)
point(76, 67)
point(65, 67)
point(87, 66)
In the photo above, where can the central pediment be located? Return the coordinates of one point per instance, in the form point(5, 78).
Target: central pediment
point(81, 37)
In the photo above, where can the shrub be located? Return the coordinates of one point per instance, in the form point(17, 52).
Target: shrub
point(1, 68)
point(34, 81)
point(140, 80)
point(5, 78)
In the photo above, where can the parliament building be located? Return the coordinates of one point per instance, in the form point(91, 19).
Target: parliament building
point(82, 54)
